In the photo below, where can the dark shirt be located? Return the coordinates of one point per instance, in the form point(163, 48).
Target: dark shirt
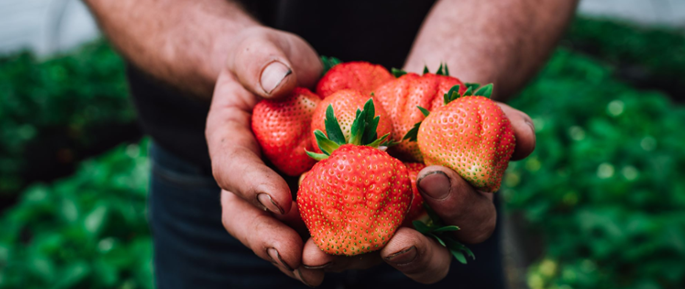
point(380, 32)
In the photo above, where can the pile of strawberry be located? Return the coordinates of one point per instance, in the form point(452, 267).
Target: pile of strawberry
point(359, 142)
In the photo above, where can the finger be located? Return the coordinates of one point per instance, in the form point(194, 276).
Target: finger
point(458, 203)
point(524, 130)
point(293, 219)
point(270, 63)
point(417, 256)
point(267, 237)
point(315, 258)
point(236, 164)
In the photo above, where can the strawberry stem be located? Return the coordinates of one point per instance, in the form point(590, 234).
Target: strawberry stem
point(434, 228)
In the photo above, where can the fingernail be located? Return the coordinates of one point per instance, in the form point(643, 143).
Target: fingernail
point(299, 276)
point(272, 75)
point(276, 258)
point(269, 204)
point(317, 267)
point(434, 184)
point(403, 256)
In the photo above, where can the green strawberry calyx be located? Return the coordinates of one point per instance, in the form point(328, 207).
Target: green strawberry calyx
point(363, 132)
point(472, 89)
point(328, 63)
point(442, 69)
point(436, 229)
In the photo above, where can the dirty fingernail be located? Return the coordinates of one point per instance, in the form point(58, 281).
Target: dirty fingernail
point(403, 256)
point(268, 203)
point(434, 184)
point(318, 267)
point(276, 258)
point(299, 276)
point(272, 75)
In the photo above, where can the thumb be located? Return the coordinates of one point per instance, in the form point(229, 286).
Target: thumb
point(271, 63)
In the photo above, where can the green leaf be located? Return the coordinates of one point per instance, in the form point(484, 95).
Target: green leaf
point(472, 85)
point(424, 111)
point(379, 141)
point(316, 156)
point(432, 215)
point(325, 145)
point(425, 69)
point(468, 92)
point(447, 71)
point(459, 256)
point(333, 127)
point(413, 133)
point(446, 229)
point(438, 239)
point(358, 128)
point(397, 72)
point(328, 63)
point(370, 134)
point(484, 91)
point(440, 72)
point(452, 94)
point(370, 110)
point(421, 227)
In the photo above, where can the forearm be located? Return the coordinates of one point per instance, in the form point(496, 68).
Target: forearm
point(182, 42)
point(491, 41)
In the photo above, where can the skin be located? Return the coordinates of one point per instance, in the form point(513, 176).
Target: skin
point(212, 49)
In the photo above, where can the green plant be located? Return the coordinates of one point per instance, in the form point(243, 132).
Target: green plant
point(85, 231)
point(50, 109)
point(603, 186)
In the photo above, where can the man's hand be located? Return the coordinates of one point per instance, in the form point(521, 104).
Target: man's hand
point(419, 257)
point(261, 63)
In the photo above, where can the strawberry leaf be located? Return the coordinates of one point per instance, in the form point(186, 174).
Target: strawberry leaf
point(472, 85)
point(438, 239)
point(358, 128)
point(325, 145)
point(333, 127)
point(440, 70)
point(316, 156)
point(424, 111)
point(412, 133)
point(446, 229)
point(452, 94)
point(459, 256)
point(370, 133)
point(397, 72)
point(379, 141)
point(425, 69)
point(484, 91)
point(421, 227)
point(469, 91)
point(328, 63)
point(447, 71)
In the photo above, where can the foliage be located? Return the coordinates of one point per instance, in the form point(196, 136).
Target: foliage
point(63, 101)
point(86, 231)
point(661, 52)
point(603, 185)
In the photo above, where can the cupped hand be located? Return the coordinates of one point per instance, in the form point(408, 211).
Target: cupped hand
point(261, 63)
point(417, 256)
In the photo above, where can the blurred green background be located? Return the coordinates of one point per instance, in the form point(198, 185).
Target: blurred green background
point(599, 204)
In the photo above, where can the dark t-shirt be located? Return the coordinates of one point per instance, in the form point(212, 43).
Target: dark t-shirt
point(376, 31)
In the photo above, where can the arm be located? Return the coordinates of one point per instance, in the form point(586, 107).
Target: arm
point(213, 49)
point(183, 43)
point(502, 42)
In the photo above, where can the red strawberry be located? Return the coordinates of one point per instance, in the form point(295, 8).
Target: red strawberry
point(345, 103)
point(400, 98)
point(354, 199)
point(282, 128)
point(362, 76)
point(416, 210)
point(471, 135)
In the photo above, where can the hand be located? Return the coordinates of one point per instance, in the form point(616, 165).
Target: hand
point(420, 257)
point(261, 63)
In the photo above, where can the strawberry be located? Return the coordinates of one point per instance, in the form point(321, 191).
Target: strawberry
point(471, 135)
point(345, 103)
point(400, 98)
point(416, 210)
point(356, 197)
point(362, 76)
point(282, 128)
